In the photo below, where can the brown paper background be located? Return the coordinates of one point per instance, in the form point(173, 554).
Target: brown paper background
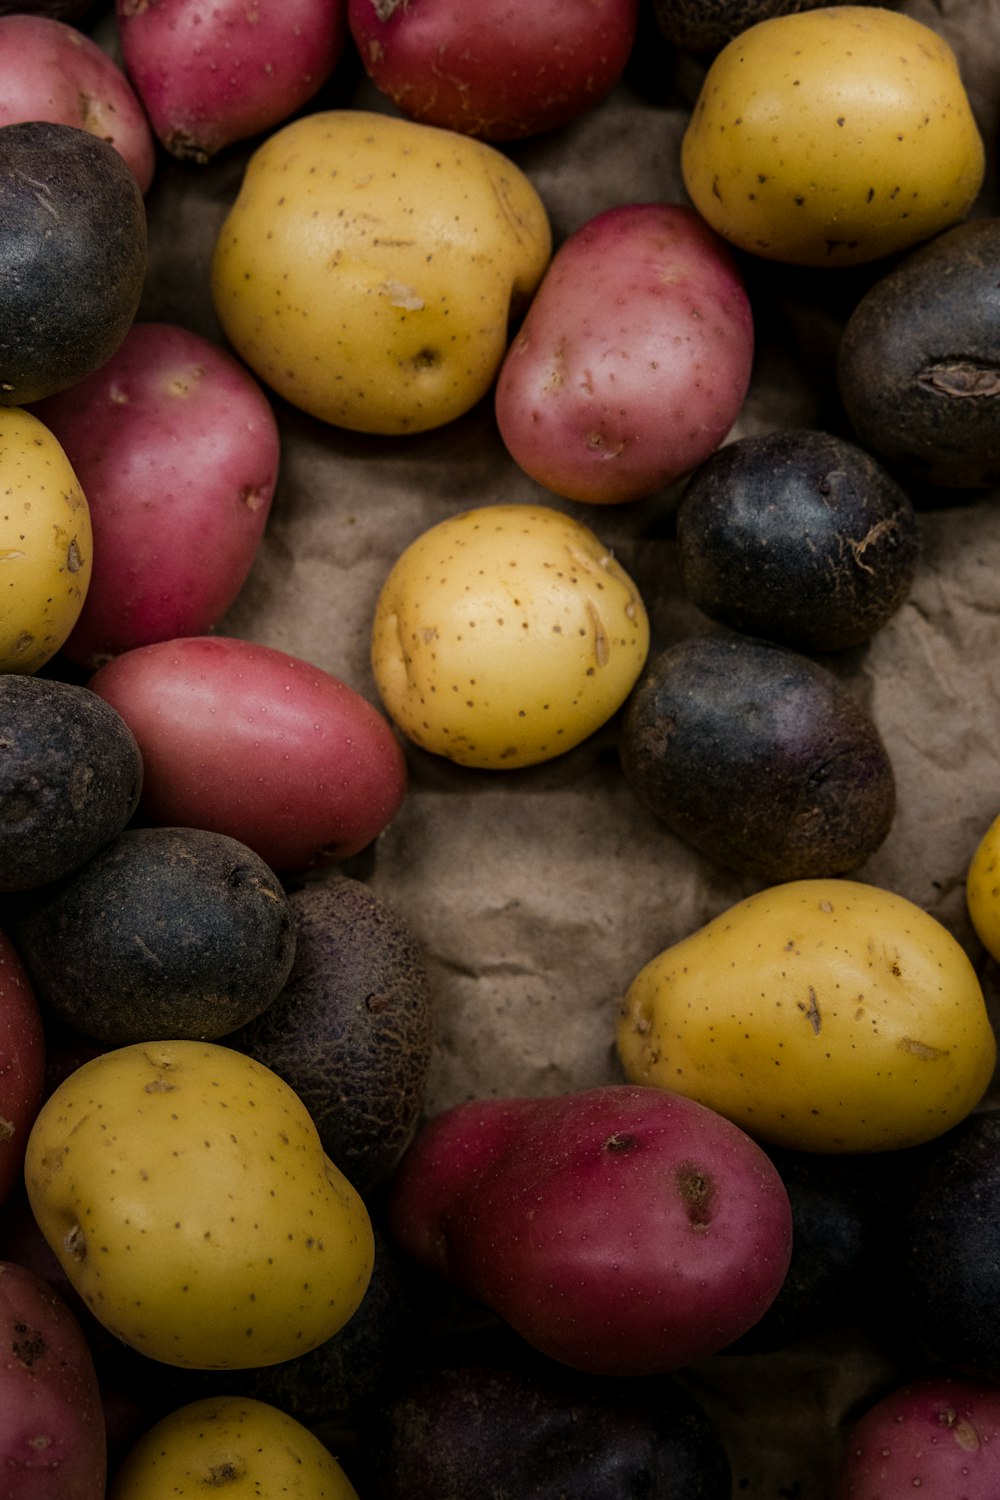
point(538, 894)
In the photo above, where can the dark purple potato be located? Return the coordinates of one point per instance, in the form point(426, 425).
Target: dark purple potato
point(484, 1416)
point(165, 933)
point(917, 361)
point(70, 778)
point(73, 252)
point(758, 756)
point(798, 536)
point(703, 26)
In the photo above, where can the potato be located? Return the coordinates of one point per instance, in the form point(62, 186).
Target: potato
point(833, 137)
point(476, 72)
point(185, 1192)
point(703, 26)
point(45, 543)
point(177, 449)
point(229, 1442)
point(370, 268)
point(633, 360)
point(822, 1015)
point(52, 1430)
point(982, 889)
point(506, 635)
point(938, 1435)
point(619, 1230)
point(327, 772)
point(22, 1064)
point(916, 360)
point(211, 77)
point(70, 778)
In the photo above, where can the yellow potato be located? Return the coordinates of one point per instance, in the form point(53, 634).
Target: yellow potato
point(237, 1446)
point(370, 267)
point(822, 1015)
point(506, 635)
point(184, 1189)
point(982, 889)
point(45, 543)
point(833, 137)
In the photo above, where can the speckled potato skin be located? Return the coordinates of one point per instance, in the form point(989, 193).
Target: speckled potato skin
point(982, 889)
point(45, 543)
point(821, 1015)
point(370, 267)
point(229, 1442)
point(505, 636)
point(184, 1190)
point(833, 137)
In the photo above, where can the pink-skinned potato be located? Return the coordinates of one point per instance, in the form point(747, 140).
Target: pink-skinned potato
point(256, 743)
point(493, 70)
point(212, 75)
point(937, 1436)
point(22, 1064)
point(51, 70)
point(178, 451)
point(633, 360)
point(53, 1439)
point(616, 1229)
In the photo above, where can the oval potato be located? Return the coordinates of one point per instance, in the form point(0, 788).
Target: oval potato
point(982, 889)
point(822, 1015)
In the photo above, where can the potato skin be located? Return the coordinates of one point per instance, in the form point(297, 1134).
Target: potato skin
point(939, 1434)
point(916, 362)
point(620, 1230)
point(982, 889)
point(377, 296)
point(53, 1432)
point(886, 148)
point(633, 360)
point(22, 1064)
point(821, 1015)
point(70, 778)
point(758, 756)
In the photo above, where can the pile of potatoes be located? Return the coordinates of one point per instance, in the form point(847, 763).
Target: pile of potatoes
point(273, 1212)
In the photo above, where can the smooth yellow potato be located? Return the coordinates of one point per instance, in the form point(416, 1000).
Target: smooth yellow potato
point(186, 1194)
point(239, 1446)
point(833, 137)
point(982, 889)
point(369, 268)
point(822, 1015)
point(506, 635)
point(46, 548)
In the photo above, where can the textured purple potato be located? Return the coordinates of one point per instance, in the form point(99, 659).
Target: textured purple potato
point(621, 1230)
point(937, 1437)
point(52, 1430)
point(212, 75)
point(633, 360)
point(177, 450)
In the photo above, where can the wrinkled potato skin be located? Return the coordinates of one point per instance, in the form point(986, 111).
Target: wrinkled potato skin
point(833, 137)
point(370, 266)
point(821, 1015)
point(506, 635)
point(45, 543)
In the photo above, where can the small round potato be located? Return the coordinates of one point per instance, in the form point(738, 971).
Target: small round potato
point(833, 137)
point(506, 635)
point(982, 889)
point(45, 543)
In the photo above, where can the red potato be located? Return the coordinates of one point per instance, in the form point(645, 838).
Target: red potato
point(618, 1230)
point(212, 75)
point(634, 359)
point(938, 1437)
point(22, 1064)
point(177, 449)
point(252, 742)
point(497, 69)
point(53, 1441)
point(50, 70)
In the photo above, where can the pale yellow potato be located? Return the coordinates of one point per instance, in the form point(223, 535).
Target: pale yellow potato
point(506, 635)
point(369, 268)
point(184, 1189)
point(833, 137)
point(982, 889)
point(821, 1015)
point(46, 551)
point(234, 1445)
